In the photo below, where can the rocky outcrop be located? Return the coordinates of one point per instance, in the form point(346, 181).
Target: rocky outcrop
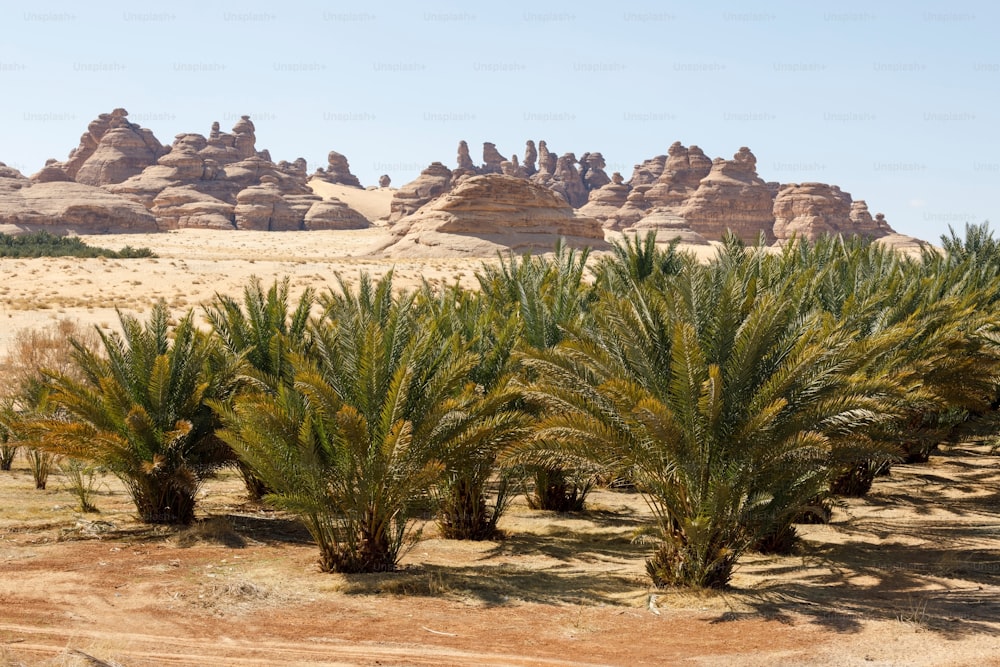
point(530, 157)
point(263, 208)
point(222, 179)
point(59, 207)
point(809, 210)
point(333, 214)
point(546, 160)
point(432, 182)
point(494, 211)
point(862, 222)
point(492, 159)
point(110, 151)
point(465, 163)
point(181, 207)
point(668, 225)
point(568, 181)
point(226, 147)
point(605, 203)
point(12, 178)
point(648, 172)
point(731, 197)
point(592, 171)
point(680, 176)
point(384, 181)
point(337, 171)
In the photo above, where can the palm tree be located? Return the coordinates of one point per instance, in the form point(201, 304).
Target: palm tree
point(356, 442)
point(8, 449)
point(721, 400)
point(466, 509)
point(139, 410)
point(545, 296)
point(633, 261)
point(257, 331)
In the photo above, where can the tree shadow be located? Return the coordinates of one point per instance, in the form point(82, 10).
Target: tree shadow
point(499, 585)
point(936, 567)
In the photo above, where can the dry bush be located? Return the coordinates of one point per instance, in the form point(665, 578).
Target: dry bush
point(49, 348)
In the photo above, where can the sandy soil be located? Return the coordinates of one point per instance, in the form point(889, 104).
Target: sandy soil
point(910, 575)
point(193, 265)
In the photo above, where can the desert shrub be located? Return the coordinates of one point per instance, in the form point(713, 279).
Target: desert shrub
point(256, 331)
point(474, 490)
point(544, 296)
point(41, 463)
point(83, 479)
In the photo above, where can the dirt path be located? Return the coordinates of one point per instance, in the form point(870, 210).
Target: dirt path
point(910, 575)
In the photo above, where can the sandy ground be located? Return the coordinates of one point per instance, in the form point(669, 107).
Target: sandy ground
point(908, 576)
point(193, 265)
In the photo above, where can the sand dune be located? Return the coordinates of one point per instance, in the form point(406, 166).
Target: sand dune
point(373, 203)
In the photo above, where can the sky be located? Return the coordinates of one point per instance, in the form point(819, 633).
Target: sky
point(897, 103)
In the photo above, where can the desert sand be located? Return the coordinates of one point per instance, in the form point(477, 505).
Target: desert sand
point(192, 265)
point(908, 576)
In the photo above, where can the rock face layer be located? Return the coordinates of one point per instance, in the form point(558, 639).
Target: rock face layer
point(110, 151)
point(732, 196)
point(490, 211)
point(809, 210)
point(65, 206)
point(682, 191)
point(218, 182)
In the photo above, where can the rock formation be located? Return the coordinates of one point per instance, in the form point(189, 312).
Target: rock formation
point(465, 163)
point(809, 210)
point(648, 172)
point(220, 181)
point(530, 156)
point(492, 160)
point(488, 212)
point(680, 176)
point(606, 202)
point(569, 181)
point(263, 208)
point(433, 181)
point(592, 171)
point(732, 196)
point(178, 207)
point(546, 160)
point(223, 181)
point(66, 206)
point(334, 214)
point(110, 151)
point(337, 171)
point(668, 225)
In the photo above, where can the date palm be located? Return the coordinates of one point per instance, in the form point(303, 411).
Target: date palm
point(139, 409)
point(466, 508)
point(257, 332)
point(721, 400)
point(545, 296)
point(356, 441)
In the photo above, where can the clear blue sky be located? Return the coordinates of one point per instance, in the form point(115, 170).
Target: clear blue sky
point(895, 102)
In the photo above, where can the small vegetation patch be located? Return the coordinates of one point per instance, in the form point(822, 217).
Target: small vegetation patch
point(46, 244)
